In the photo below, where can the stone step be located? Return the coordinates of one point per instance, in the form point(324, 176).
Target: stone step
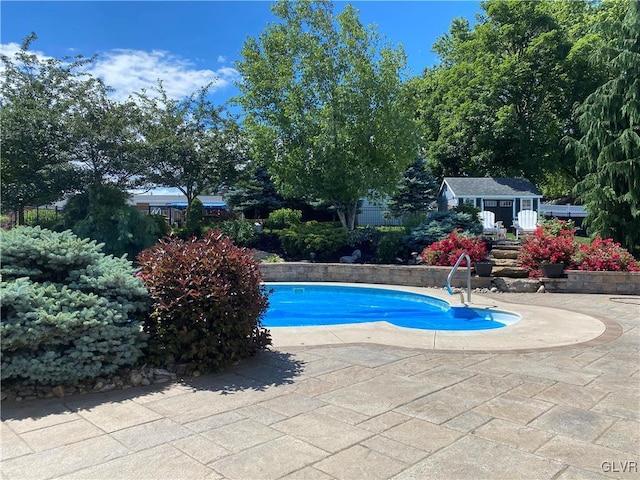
point(509, 271)
point(506, 246)
point(504, 262)
point(499, 253)
point(518, 285)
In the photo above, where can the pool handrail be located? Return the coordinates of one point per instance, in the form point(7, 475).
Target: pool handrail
point(462, 256)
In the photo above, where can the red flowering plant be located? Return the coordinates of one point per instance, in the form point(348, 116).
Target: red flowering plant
point(605, 255)
point(553, 242)
point(447, 251)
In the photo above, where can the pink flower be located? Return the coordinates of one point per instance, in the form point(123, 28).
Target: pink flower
point(447, 251)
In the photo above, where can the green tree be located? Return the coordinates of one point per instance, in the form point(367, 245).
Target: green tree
point(190, 144)
point(609, 149)
point(105, 139)
point(415, 192)
point(256, 195)
point(36, 96)
point(326, 105)
point(195, 218)
point(102, 214)
point(502, 97)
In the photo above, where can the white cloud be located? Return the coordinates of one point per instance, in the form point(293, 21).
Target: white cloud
point(222, 59)
point(128, 71)
point(157, 191)
point(9, 49)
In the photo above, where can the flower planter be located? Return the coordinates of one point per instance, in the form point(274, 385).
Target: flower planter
point(483, 269)
point(552, 270)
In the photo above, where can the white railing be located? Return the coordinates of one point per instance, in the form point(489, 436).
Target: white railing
point(453, 270)
point(566, 210)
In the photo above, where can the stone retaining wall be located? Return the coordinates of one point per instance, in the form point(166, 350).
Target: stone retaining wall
point(415, 276)
point(577, 281)
point(621, 283)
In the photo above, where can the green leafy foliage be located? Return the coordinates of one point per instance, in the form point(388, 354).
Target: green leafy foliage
point(102, 214)
point(322, 238)
point(68, 311)
point(61, 132)
point(49, 219)
point(502, 96)
point(242, 232)
point(284, 218)
point(609, 149)
point(438, 225)
point(207, 301)
point(470, 210)
point(36, 97)
point(326, 105)
point(390, 247)
point(190, 144)
point(364, 236)
point(195, 218)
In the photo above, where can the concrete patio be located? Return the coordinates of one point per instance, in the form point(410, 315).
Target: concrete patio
point(348, 409)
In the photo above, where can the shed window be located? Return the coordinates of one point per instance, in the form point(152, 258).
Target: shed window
point(506, 203)
point(490, 203)
point(527, 204)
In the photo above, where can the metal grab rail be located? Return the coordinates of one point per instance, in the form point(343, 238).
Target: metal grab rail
point(453, 270)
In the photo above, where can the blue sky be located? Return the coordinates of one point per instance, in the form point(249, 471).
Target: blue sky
point(187, 44)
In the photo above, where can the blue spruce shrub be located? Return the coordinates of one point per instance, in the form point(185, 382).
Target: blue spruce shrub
point(438, 225)
point(69, 312)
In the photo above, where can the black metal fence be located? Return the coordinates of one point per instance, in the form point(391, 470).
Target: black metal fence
point(379, 216)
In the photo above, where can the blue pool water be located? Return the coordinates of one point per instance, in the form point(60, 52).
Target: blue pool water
point(293, 305)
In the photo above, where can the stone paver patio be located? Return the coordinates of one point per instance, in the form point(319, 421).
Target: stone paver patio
point(361, 410)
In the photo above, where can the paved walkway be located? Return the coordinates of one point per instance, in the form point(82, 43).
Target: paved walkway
point(361, 410)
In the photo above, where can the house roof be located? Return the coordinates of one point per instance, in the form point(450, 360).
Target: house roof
point(174, 200)
point(490, 186)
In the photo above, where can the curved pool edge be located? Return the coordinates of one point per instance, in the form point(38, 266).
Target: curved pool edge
point(539, 328)
point(399, 307)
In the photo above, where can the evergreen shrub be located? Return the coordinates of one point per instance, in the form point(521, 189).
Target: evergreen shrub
point(207, 301)
point(438, 225)
point(102, 214)
point(322, 238)
point(195, 218)
point(284, 218)
point(242, 232)
point(360, 236)
point(390, 247)
point(69, 312)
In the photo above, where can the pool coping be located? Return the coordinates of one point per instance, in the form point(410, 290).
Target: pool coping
point(539, 329)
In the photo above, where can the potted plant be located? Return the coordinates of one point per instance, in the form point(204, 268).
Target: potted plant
point(483, 267)
point(549, 250)
point(551, 270)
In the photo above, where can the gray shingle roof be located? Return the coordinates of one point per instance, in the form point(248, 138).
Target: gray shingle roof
point(486, 186)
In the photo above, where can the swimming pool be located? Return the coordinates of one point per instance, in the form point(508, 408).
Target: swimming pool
point(292, 305)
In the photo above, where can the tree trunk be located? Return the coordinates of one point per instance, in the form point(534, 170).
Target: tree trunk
point(20, 215)
point(347, 215)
